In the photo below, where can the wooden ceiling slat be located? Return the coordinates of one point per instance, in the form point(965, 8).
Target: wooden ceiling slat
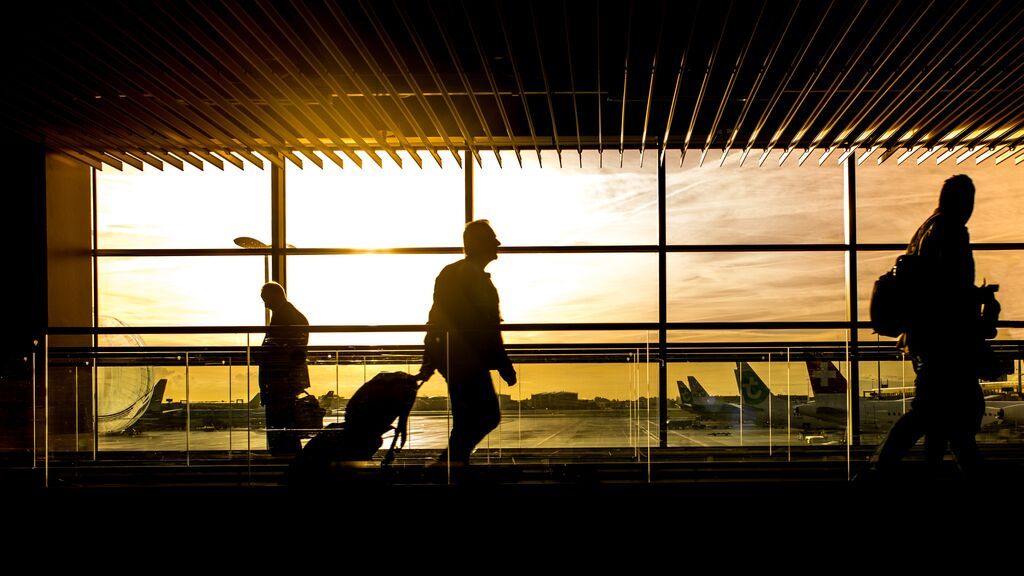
point(625, 83)
point(362, 125)
point(424, 54)
point(865, 124)
point(231, 158)
point(783, 84)
point(187, 156)
point(393, 92)
point(111, 138)
point(146, 110)
point(156, 113)
point(179, 81)
point(226, 82)
point(856, 58)
point(290, 141)
point(572, 83)
point(942, 126)
point(259, 123)
point(410, 80)
point(547, 85)
point(176, 162)
point(704, 84)
point(733, 74)
point(650, 87)
point(904, 127)
point(805, 90)
point(755, 87)
point(493, 85)
point(326, 101)
point(125, 158)
point(339, 56)
point(663, 145)
point(467, 86)
point(600, 94)
point(88, 159)
point(306, 122)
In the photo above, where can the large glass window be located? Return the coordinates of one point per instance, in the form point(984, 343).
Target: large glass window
point(756, 286)
point(564, 399)
point(893, 200)
point(188, 208)
point(182, 291)
point(375, 207)
point(365, 288)
point(574, 204)
point(753, 204)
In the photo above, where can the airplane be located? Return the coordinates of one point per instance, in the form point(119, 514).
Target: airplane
point(1013, 413)
point(829, 404)
point(766, 408)
point(830, 400)
point(707, 408)
point(758, 405)
point(171, 415)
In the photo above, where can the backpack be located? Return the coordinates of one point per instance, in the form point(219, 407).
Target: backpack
point(893, 296)
point(378, 403)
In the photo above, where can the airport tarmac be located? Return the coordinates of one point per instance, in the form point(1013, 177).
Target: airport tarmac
point(526, 430)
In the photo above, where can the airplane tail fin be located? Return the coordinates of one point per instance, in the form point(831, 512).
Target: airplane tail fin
point(752, 388)
point(255, 402)
point(696, 388)
point(685, 396)
point(156, 401)
point(825, 378)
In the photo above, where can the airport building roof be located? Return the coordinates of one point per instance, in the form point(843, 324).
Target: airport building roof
point(168, 83)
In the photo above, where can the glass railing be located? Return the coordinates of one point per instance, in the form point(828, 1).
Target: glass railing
point(781, 400)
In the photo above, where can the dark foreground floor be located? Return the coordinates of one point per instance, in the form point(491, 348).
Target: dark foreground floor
point(576, 502)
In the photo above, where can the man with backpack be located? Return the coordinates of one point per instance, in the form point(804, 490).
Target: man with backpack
point(464, 342)
point(944, 337)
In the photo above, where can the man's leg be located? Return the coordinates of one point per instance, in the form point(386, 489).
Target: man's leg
point(965, 449)
point(474, 413)
point(901, 438)
point(280, 419)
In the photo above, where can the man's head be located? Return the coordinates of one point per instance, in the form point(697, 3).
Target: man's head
point(480, 241)
point(956, 199)
point(273, 295)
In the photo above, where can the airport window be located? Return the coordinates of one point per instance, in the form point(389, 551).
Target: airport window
point(554, 209)
point(751, 204)
point(182, 290)
point(361, 289)
point(893, 200)
point(598, 203)
point(376, 207)
point(756, 286)
point(189, 208)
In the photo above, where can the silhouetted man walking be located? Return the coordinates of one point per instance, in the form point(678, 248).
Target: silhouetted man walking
point(464, 342)
point(944, 339)
point(283, 371)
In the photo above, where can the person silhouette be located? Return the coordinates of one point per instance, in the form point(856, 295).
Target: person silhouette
point(944, 340)
point(464, 343)
point(283, 372)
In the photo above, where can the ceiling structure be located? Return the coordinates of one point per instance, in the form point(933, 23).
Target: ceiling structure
point(230, 82)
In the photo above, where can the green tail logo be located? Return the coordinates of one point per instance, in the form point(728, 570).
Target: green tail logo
point(753, 389)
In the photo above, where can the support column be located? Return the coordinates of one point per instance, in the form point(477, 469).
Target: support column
point(467, 162)
point(662, 310)
point(278, 272)
point(853, 339)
